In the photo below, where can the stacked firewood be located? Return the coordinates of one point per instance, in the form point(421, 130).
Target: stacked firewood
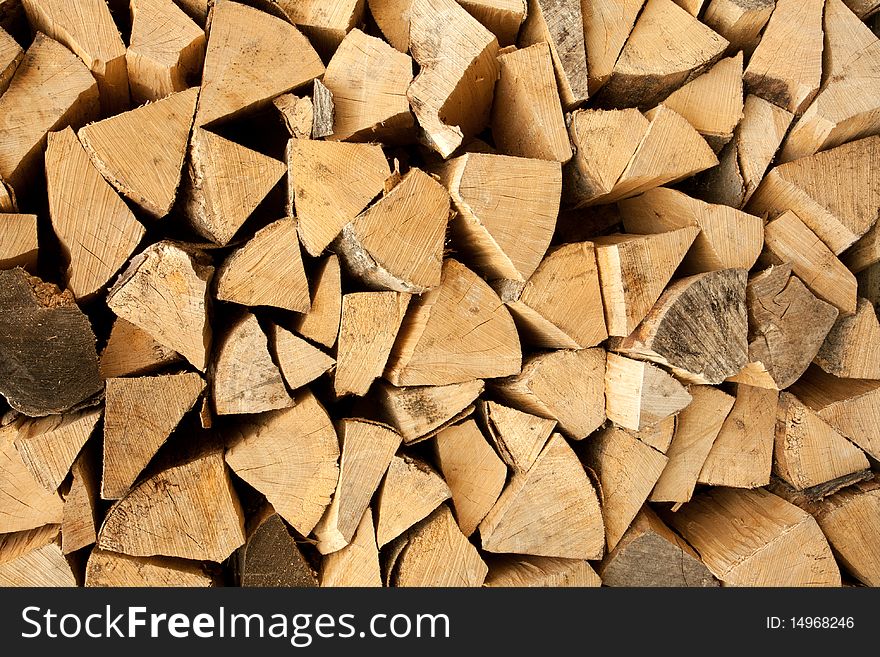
point(439, 292)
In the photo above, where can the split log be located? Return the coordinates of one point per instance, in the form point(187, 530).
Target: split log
point(188, 510)
point(392, 17)
point(638, 394)
point(808, 452)
point(51, 89)
point(196, 9)
point(436, 553)
point(739, 21)
point(225, 183)
point(11, 55)
point(300, 362)
point(847, 41)
point(651, 554)
point(245, 378)
point(325, 23)
point(457, 332)
point(420, 412)
point(164, 291)
point(97, 231)
point(323, 110)
point(330, 184)
point(298, 114)
point(24, 502)
point(850, 349)
point(397, 244)
point(550, 511)
point(238, 77)
point(410, 492)
point(89, 31)
point(743, 535)
point(667, 46)
point(696, 430)
point(166, 50)
point(527, 118)
point(367, 450)
point(321, 323)
point(559, 23)
point(626, 469)
point(48, 446)
point(20, 245)
point(728, 238)
point(787, 239)
point(267, 270)
point(865, 252)
point(523, 570)
point(48, 362)
point(502, 18)
point(634, 270)
point(850, 406)
point(34, 559)
point(658, 436)
point(140, 414)
point(560, 306)
point(518, 437)
point(270, 557)
point(112, 569)
point(698, 328)
point(357, 564)
point(451, 101)
point(693, 7)
point(145, 169)
point(607, 26)
point(567, 386)
point(792, 80)
point(473, 471)
point(131, 351)
point(507, 211)
point(369, 79)
point(371, 321)
point(713, 102)
point(290, 456)
point(79, 523)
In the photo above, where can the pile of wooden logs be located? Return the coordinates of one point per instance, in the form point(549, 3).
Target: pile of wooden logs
point(439, 292)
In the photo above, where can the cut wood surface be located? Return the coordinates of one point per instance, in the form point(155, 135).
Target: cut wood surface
point(501, 17)
point(299, 361)
point(11, 55)
point(326, 23)
point(112, 569)
point(523, 570)
point(849, 350)
point(271, 557)
point(607, 26)
point(638, 394)
point(518, 437)
point(79, 521)
point(739, 21)
point(34, 558)
point(298, 114)
point(357, 564)
point(131, 351)
point(321, 323)
point(24, 502)
point(410, 492)
point(392, 17)
point(658, 436)
point(419, 412)
point(20, 244)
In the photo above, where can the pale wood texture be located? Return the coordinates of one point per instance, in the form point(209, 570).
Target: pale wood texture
point(298, 114)
point(865, 252)
point(452, 94)
point(639, 395)
point(51, 89)
point(698, 327)
point(658, 436)
point(325, 22)
point(501, 17)
point(79, 526)
point(196, 9)
point(357, 564)
point(24, 502)
point(787, 239)
point(89, 31)
point(370, 323)
point(607, 25)
point(728, 238)
point(552, 510)
point(34, 558)
point(369, 80)
point(507, 211)
point(321, 323)
point(626, 469)
point(112, 569)
point(651, 554)
point(634, 270)
point(835, 192)
point(392, 17)
point(850, 350)
point(330, 184)
point(245, 378)
point(131, 351)
point(271, 557)
point(225, 183)
point(300, 362)
point(20, 245)
point(566, 385)
point(8, 202)
point(527, 118)
point(166, 50)
point(238, 77)
point(786, 66)
point(559, 23)
point(188, 510)
point(754, 538)
point(739, 21)
point(518, 437)
point(524, 570)
point(323, 110)
point(291, 457)
point(267, 271)
point(397, 243)
point(666, 47)
point(417, 413)
point(410, 492)
point(140, 415)
point(472, 470)
point(11, 55)
point(560, 306)
point(367, 450)
point(95, 227)
point(164, 292)
point(141, 152)
point(457, 332)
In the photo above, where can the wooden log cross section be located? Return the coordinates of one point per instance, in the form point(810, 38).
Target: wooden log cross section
point(439, 293)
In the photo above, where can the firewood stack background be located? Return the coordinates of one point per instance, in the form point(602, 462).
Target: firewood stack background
point(439, 292)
